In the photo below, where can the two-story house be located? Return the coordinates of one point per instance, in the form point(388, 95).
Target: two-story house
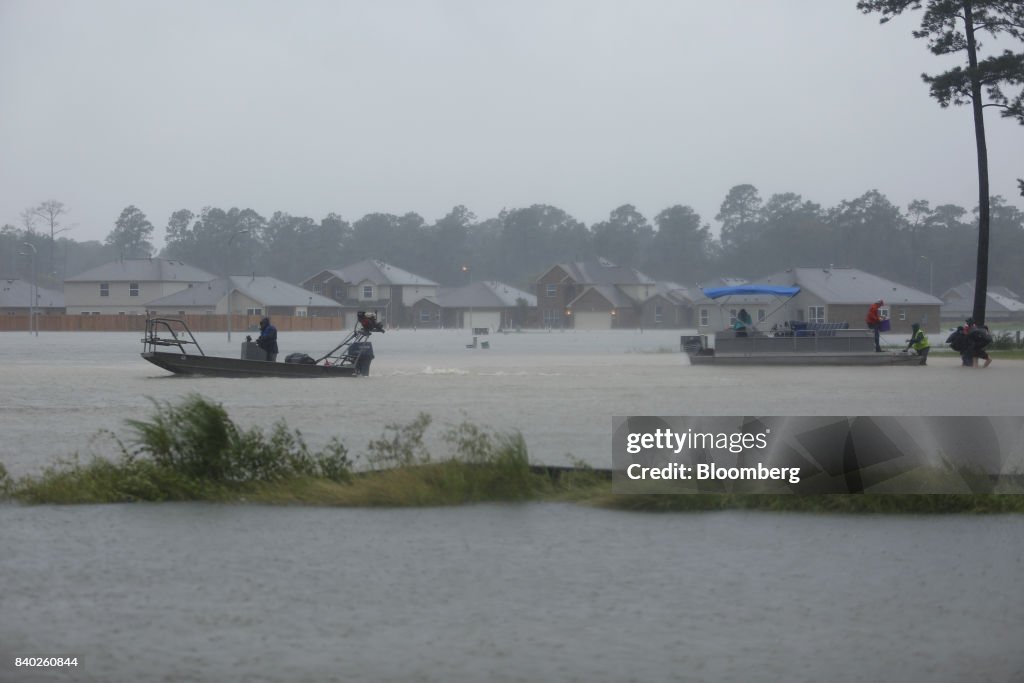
point(126, 286)
point(373, 285)
point(595, 294)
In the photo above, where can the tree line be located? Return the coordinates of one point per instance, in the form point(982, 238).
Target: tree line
point(924, 246)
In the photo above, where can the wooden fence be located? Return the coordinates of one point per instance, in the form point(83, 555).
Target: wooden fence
point(137, 323)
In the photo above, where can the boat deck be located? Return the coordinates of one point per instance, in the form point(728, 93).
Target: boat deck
point(835, 347)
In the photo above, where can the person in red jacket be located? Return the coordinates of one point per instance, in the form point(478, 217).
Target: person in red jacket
point(874, 320)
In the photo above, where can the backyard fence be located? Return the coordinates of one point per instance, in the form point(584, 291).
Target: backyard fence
point(137, 323)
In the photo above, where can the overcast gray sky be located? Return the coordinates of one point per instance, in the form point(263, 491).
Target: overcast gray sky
point(355, 107)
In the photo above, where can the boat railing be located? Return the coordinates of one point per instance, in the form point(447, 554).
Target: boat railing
point(839, 340)
point(169, 332)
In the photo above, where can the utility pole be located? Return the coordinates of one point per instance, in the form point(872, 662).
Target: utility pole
point(33, 292)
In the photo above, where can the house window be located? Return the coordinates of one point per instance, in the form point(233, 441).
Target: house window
point(761, 316)
point(884, 311)
point(424, 315)
point(133, 289)
point(367, 291)
point(550, 317)
point(551, 290)
point(815, 314)
point(732, 316)
point(339, 293)
point(703, 317)
point(903, 314)
point(104, 289)
point(254, 311)
point(318, 289)
point(657, 313)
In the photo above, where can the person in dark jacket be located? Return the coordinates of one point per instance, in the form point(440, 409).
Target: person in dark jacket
point(743, 323)
point(978, 337)
point(268, 339)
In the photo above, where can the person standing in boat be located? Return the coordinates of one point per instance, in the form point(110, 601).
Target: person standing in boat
point(268, 339)
point(743, 323)
point(874, 321)
point(919, 342)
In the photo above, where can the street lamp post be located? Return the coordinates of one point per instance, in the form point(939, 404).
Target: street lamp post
point(931, 274)
point(469, 291)
point(227, 274)
point(33, 293)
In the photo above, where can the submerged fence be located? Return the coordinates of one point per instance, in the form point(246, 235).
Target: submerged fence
point(137, 323)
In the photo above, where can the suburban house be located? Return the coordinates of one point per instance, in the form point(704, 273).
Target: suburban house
point(827, 295)
point(374, 286)
point(1001, 304)
point(126, 286)
point(16, 298)
point(669, 306)
point(594, 294)
point(246, 295)
point(482, 305)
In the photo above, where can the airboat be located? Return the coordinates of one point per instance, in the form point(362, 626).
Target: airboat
point(170, 344)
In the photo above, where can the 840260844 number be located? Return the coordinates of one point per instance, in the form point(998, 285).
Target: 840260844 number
point(46, 662)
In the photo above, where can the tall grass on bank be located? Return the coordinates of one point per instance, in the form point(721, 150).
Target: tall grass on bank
point(194, 451)
point(191, 451)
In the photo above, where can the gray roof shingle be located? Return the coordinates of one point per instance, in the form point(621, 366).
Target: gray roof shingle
point(268, 291)
point(604, 272)
point(17, 293)
point(849, 286)
point(143, 270)
point(484, 294)
point(379, 273)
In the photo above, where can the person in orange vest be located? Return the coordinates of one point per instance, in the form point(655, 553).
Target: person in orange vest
point(874, 320)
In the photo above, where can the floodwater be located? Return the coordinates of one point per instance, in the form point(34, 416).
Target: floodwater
point(559, 389)
point(534, 592)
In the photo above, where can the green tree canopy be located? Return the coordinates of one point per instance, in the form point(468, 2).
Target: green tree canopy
point(132, 234)
point(951, 27)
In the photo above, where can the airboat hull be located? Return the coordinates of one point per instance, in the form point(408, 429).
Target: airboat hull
point(214, 366)
point(350, 358)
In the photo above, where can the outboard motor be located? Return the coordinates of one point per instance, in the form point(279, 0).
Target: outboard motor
point(361, 354)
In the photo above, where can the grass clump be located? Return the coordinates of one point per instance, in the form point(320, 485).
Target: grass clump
point(197, 440)
point(194, 451)
point(191, 451)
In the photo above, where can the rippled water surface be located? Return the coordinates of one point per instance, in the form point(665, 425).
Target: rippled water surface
point(531, 592)
point(559, 389)
point(535, 592)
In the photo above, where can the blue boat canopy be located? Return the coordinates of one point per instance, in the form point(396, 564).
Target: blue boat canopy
point(774, 290)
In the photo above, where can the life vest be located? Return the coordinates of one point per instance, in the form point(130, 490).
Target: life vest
point(873, 317)
point(920, 341)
